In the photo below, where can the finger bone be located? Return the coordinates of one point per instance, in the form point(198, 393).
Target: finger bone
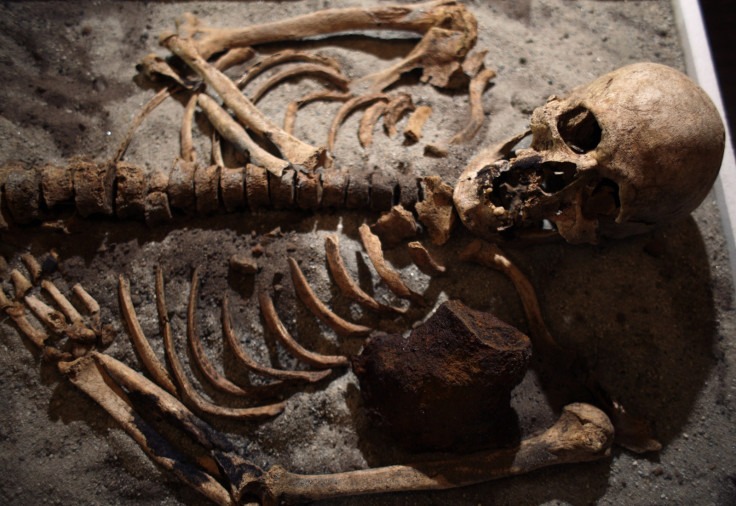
point(18, 314)
point(21, 284)
point(66, 307)
point(52, 318)
point(87, 300)
point(34, 268)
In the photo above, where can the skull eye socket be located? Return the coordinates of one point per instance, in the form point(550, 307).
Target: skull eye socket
point(579, 129)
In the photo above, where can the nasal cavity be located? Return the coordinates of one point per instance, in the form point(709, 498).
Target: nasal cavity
point(579, 129)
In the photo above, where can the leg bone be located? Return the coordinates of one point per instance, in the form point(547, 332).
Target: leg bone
point(583, 433)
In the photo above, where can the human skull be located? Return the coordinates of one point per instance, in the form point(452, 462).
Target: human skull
point(635, 148)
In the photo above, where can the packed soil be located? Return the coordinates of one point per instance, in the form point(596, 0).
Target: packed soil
point(653, 315)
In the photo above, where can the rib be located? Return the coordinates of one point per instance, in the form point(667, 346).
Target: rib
point(205, 366)
point(287, 55)
point(188, 393)
point(274, 324)
point(312, 69)
point(372, 245)
point(294, 106)
point(422, 259)
point(477, 86)
point(252, 365)
point(318, 308)
point(345, 111)
point(139, 340)
point(347, 285)
point(368, 122)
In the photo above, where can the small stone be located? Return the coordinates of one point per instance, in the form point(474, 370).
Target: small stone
point(257, 250)
point(243, 264)
point(434, 151)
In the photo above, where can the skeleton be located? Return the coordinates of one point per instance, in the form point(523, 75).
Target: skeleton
point(582, 433)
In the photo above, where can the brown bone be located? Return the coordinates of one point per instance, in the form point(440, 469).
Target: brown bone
point(293, 149)
point(582, 433)
point(419, 18)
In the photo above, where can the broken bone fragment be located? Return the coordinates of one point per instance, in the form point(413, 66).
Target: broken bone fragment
point(448, 384)
point(395, 225)
point(436, 211)
point(413, 130)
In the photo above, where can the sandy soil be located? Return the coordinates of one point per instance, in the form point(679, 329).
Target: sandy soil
point(653, 315)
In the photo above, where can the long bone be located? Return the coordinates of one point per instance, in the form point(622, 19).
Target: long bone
point(419, 18)
point(294, 150)
point(582, 433)
point(632, 433)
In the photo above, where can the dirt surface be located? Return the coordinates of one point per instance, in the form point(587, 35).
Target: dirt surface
point(652, 315)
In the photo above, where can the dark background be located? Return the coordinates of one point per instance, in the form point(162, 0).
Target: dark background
point(720, 18)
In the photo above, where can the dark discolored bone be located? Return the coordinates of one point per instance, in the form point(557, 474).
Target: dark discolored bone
point(308, 190)
point(207, 189)
point(448, 384)
point(132, 186)
point(408, 192)
point(232, 188)
point(156, 209)
point(23, 195)
point(334, 183)
point(256, 187)
point(358, 191)
point(93, 187)
point(383, 188)
point(282, 189)
point(181, 186)
point(56, 185)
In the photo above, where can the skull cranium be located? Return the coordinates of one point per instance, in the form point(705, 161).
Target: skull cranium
point(635, 148)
